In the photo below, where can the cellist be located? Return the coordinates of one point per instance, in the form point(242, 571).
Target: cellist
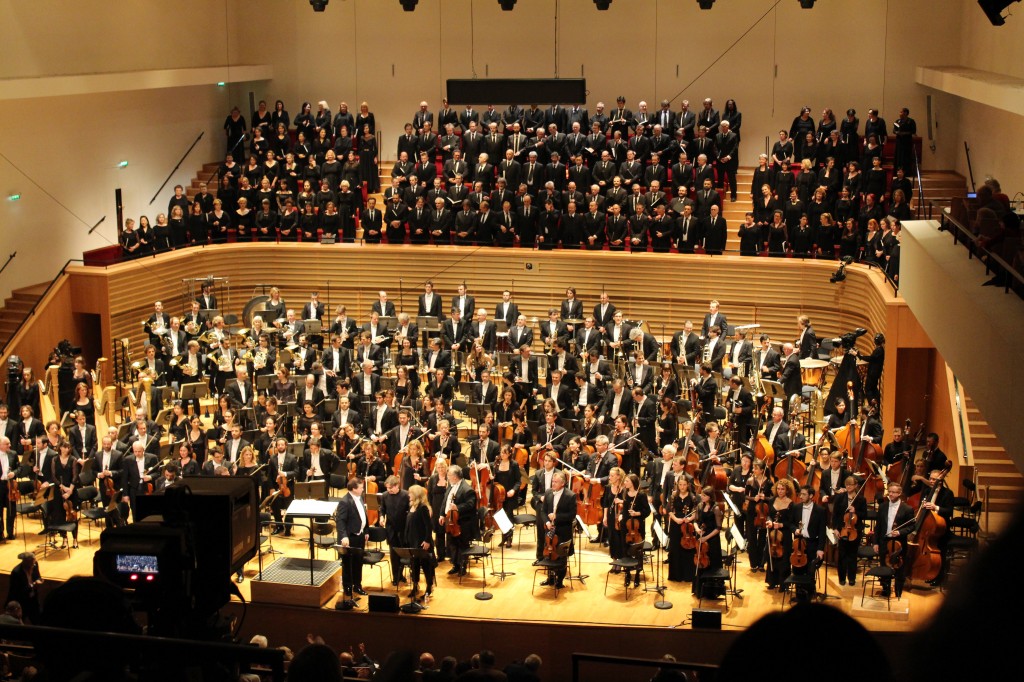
point(846, 564)
point(936, 497)
point(895, 518)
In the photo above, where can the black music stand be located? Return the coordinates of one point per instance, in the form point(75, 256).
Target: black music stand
point(354, 557)
point(477, 412)
point(194, 391)
point(581, 530)
point(832, 539)
point(661, 604)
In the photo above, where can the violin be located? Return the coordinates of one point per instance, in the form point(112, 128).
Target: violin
point(687, 539)
point(700, 559)
point(282, 485)
point(70, 513)
point(798, 557)
point(551, 546)
point(761, 514)
point(451, 524)
point(13, 494)
point(775, 537)
point(894, 553)
point(633, 525)
point(850, 519)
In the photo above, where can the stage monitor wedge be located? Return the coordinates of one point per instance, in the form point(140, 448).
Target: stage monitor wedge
point(499, 91)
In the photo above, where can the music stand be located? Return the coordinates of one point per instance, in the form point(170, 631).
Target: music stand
point(303, 508)
point(581, 530)
point(504, 526)
point(390, 323)
point(661, 604)
point(477, 412)
point(833, 539)
point(264, 381)
point(311, 327)
point(194, 391)
point(311, 490)
point(354, 557)
point(773, 391)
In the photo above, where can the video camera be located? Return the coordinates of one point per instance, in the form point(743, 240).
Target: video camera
point(848, 339)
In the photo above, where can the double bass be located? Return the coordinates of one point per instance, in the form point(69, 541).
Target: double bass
point(867, 455)
point(929, 526)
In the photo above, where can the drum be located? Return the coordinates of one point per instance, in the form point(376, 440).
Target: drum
point(812, 371)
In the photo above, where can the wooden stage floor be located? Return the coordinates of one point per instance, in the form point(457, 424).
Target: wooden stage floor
point(512, 601)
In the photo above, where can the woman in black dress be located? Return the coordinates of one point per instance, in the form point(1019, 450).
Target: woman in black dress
point(872, 151)
point(779, 519)
point(198, 224)
point(635, 507)
point(764, 174)
point(330, 221)
point(330, 171)
point(737, 487)
point(368, 171)
point(731, 114)
point(343, 143)
point(831, 178)
point(266, 222)
point(147, 237)
point(322, 145)
point(782, 151)
point(681, 506)
point(802, 125)
point(178, 228)
point(778, 236)
point(875, 180)
point(85, 403)
point(279, 116)
point(64, 470)
point(849, 136)
point(309, 222)
point(130, 244)
point(186, 462)
point(304, 122)
point(413, 469)
point(575, 456)
point(826, 125)
point(281, 143)
point(348, 203)
point(282, 193)
point(418, 526)
point(162, 239)
point(252, 171)
point(437, 488)
point(709, 519)
point(244, 219)
point(179, 422)
point(826, 237)
point(802, 238)
point(195, 438)
point(365, 118)
point(507, 474)
point(758, 489)
point(849, 240)
point(350, 171)
point(667, 424)
point(288, 224)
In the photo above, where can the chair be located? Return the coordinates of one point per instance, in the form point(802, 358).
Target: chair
point(523, 521)
point(963, 540)
point(633, 561)
point(323, 534)
point(375, 557)
point(549, 566)
point(52, 529)
point(91, 513)
point(338, 481)
point(710, 578)
point(963, 504)
point(875, 575)
point(480, 551)
point(804, 581)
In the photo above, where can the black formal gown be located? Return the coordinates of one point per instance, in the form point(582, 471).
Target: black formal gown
point(680, 559)
point(368, 171)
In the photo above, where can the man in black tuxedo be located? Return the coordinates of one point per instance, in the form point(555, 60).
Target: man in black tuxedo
point(336, 362)
point(351, 524)
point(727, 143)
point(465, 303)
point(767, 360)
point(484, 450)
point(738, 354)
point(461, 499)
point(382, 418)
point(241, 392)
point(317, 463)
point(809, 521)
point(483, 329)
point(541, 483)
point(706, 389)
point(935, 458)
point(559, 513)
point(137, 474)
point(740, 404)
point(367, 351)
point(107, 463)
point(429, 303)
point(936, 497)
point(281, 462)
point(790, 375)
point(436, 358)
point(365, 385)
point(791, 441)
point(894, 522)
point(617, 402)
point(82, 436)
point(486, 392)
point(8, 476)
point(686, 345)
point(645, 413)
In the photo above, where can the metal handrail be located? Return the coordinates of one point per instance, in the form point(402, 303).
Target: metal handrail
point(704, 671)
point(974, 248)
point(35, 305)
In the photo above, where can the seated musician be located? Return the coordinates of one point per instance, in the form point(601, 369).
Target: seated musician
point(839, 417)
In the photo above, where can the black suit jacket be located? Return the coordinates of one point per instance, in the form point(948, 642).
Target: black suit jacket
point(790, 375)
point(86, 448)
point(565, 513)
point(434, 310)
point(815, 527)
point(131, 480)
point(348, 520)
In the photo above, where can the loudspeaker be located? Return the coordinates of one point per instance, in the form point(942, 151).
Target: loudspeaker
point(707, 619)
point(388, 603)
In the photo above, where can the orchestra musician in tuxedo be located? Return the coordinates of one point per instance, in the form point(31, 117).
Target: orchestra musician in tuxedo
point(462, 499)
point(540, 484)
point(738, 354)
point(559, 514)
point(572, 307)
point(523, 372)
point(767, 360)
point(894, 521)
point(791, 442)
point(137, 473)
point(82, 436)
point(486, 392)
point(789, 376)
point(706, 390)
point(563, 393)
point(686, 345)
point(352, 525)
point(808, 520)
point(740, 406)
point(563, 361)
point(428, 303)
point(519, 333)
point(847, 497)
point(281, 462)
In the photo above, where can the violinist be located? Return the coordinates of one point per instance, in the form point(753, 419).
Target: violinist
point(540, 484)
point(345, 415)
point(196, 439)
point(371, 469)
point(854, 501)
point(64, 470)
point(589, 427)
point(809, 521)
point(507, 474)
point(346, 446)
point(708, 517)
point(437, 489)
point(659, 483)
point(447, 445)
point(713, 448)
point(394, 510)
point(625, 445)
point(634, 507)
point(757, 492)
point(833, 479)
point(737, 488)
point(461, 499)
point(780, 520)
point(577, 457)
point(317, 463)
point(281, 463)
point(612, 535)
point(682, 502)
point(136, 474)
point(559, 513)
point(211, 467)
point(107, 465)
point(168, 478)
point(936, 497)
point(894, 523)
point(413, 470)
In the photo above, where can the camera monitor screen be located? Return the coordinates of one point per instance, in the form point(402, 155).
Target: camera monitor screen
point(137, 563)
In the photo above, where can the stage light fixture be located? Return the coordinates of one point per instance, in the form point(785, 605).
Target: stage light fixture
point(318, 5)
point(807, 4)
point(993, 9)
point(408, 5)
point(603, 4)
point(507, 5)
point(705, 4)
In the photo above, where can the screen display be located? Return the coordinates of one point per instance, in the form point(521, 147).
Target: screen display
point(137, 563)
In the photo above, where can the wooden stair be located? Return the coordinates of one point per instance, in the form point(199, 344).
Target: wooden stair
point(995, 470)
point(16, 308)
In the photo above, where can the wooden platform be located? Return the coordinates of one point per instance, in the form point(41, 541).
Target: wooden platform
point(286, 580)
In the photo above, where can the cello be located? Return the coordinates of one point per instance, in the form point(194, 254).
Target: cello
point(929, 526)
point(863, 463)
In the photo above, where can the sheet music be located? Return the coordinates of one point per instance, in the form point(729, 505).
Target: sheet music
point(311, 508)
point(660, 533)
point(504, 524)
